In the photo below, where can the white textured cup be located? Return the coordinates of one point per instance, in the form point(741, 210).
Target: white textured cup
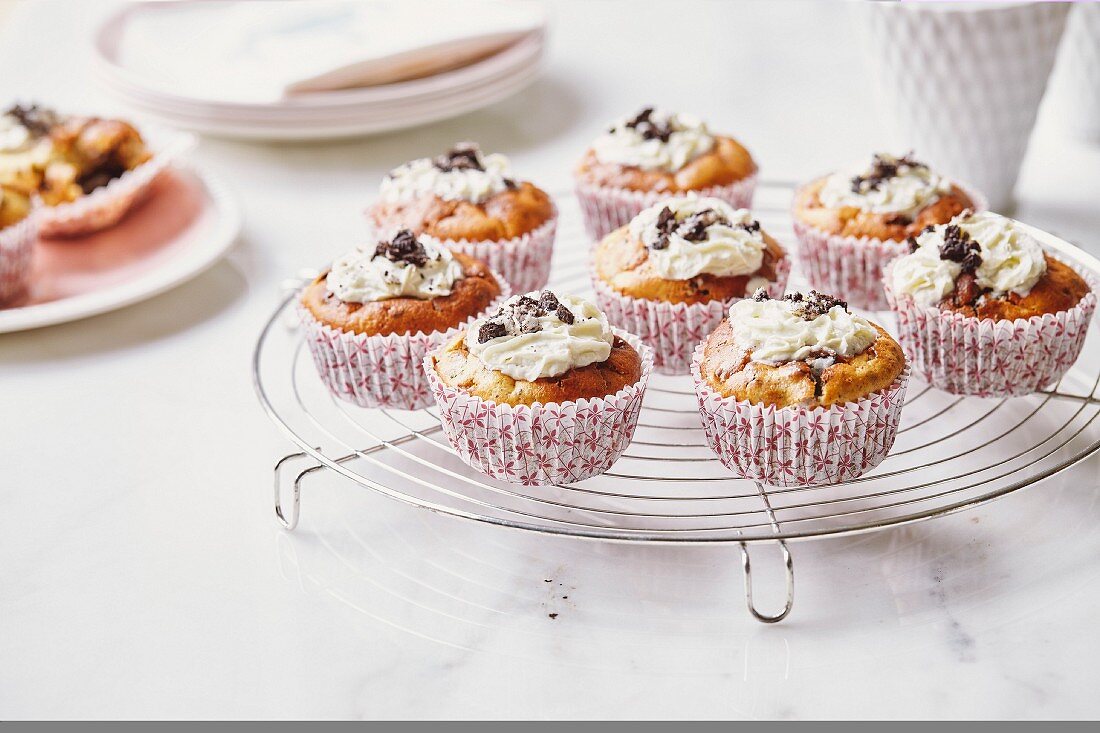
point(960, 83)
point(1075, 85)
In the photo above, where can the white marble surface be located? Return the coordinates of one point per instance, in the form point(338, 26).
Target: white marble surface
point(142, 573)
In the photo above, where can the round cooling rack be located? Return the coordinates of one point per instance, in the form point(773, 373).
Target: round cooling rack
point(951, 452)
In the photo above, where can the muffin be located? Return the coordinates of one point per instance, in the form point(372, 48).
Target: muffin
point(17, 236)
point(982, 309)
point(88, 171)
point(851, 223)
point(376, 313)
point(798, 391)
point(654, 155)
point(469, 201)
point(671, 274)
point(540, 391)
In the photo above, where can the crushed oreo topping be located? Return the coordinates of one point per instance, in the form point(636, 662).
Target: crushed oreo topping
point(644, 125)
point(761, 295)
point(404, 247)
point(465, 157)
point(522, 316)
point(38, 120)
point(810, 305)
point(959, 247)
point(883, 169)
point(913, 244)
point(692, 228)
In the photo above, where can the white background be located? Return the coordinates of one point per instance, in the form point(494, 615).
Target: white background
point(142, 573)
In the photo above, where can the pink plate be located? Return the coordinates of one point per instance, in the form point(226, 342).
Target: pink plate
point(187, 222)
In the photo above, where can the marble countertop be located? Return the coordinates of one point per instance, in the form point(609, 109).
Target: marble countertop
point(142, 573)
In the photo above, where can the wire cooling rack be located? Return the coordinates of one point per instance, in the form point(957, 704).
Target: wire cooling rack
point(951, 452)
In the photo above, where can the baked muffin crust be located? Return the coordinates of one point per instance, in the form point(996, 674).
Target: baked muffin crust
point(850, 221)
point(621, 261)
point(458, 368)
point(469, 296)
point(727, 162)
point(504, 215)
point(728, 369)
point(15, 205)
point(1060, 289)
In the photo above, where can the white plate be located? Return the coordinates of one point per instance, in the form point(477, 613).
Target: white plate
point(188, 223)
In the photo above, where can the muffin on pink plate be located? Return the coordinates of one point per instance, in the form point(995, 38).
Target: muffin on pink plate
point(87, 171)
point(798, 390)
point(17, 237)
point(849, 224)
point(984, 310)
point(656, 154)
point(370, 320)
point(541, 391)
point(670, 275)
point(470, 202)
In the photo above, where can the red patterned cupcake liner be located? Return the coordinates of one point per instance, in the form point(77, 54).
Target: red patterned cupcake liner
point(851, 267)
point(541, 444)
point(980, 356)
point(673, 330)
point(379, 371)
point(16, 252)
point(606, 208)
point(800, 446)
point(106, 205)
point(524, 261)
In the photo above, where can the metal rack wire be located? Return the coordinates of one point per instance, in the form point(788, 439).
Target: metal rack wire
point(951, 452)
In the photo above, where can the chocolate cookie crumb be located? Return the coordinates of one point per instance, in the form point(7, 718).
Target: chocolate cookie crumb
point(38, 120)
point(813, 304)
point(761, 295)
point(883, 170)
point(647, 128)
point(959, 247)
point(913, 245)
point(523, 316)
point(694, 227)
point(404, 247)
point(463, 156)
point(491, 330)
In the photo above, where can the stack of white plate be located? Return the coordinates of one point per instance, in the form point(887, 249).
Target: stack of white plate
point(242, 83)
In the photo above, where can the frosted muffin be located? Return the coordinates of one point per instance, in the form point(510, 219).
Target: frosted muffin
point(798, 390)
point(851, 223)
point(88, 171)
point(653, 155)
point(983, 309)
point(540, 391)
point(374, 315)
point(17, 236)
point(471, 202)
point(671, 274)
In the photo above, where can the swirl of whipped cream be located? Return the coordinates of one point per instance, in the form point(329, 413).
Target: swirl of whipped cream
point(527, 342)
point(1012, 261)
point(14, 137)
point(463, 174)
point(777, 331)
point(888, 186)
point(725, 243)
point(365, 277)
point(654, 139)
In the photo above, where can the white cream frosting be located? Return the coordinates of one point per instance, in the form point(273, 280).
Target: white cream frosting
point(627, 146)
point(19, 149)
point(14, 137)
point(1012, 261)
point(554, 349)
point(773, 332)
point(364, 277)
point(911, 189)
point(727, 250)
point(421, 177)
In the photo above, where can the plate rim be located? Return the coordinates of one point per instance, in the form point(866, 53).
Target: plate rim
point(191, 263)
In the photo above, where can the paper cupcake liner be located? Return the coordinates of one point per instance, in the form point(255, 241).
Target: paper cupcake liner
point(524, 261)
point(673, 330)
point(605, 208)
point(541, 444)
point(851, 267)
point(987, 358)
point(106, 205)
point(16, 251)
point(379, 371)
point(800, 446)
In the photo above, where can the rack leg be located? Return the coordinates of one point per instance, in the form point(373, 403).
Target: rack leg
point(288, 516)
point(746, 567)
